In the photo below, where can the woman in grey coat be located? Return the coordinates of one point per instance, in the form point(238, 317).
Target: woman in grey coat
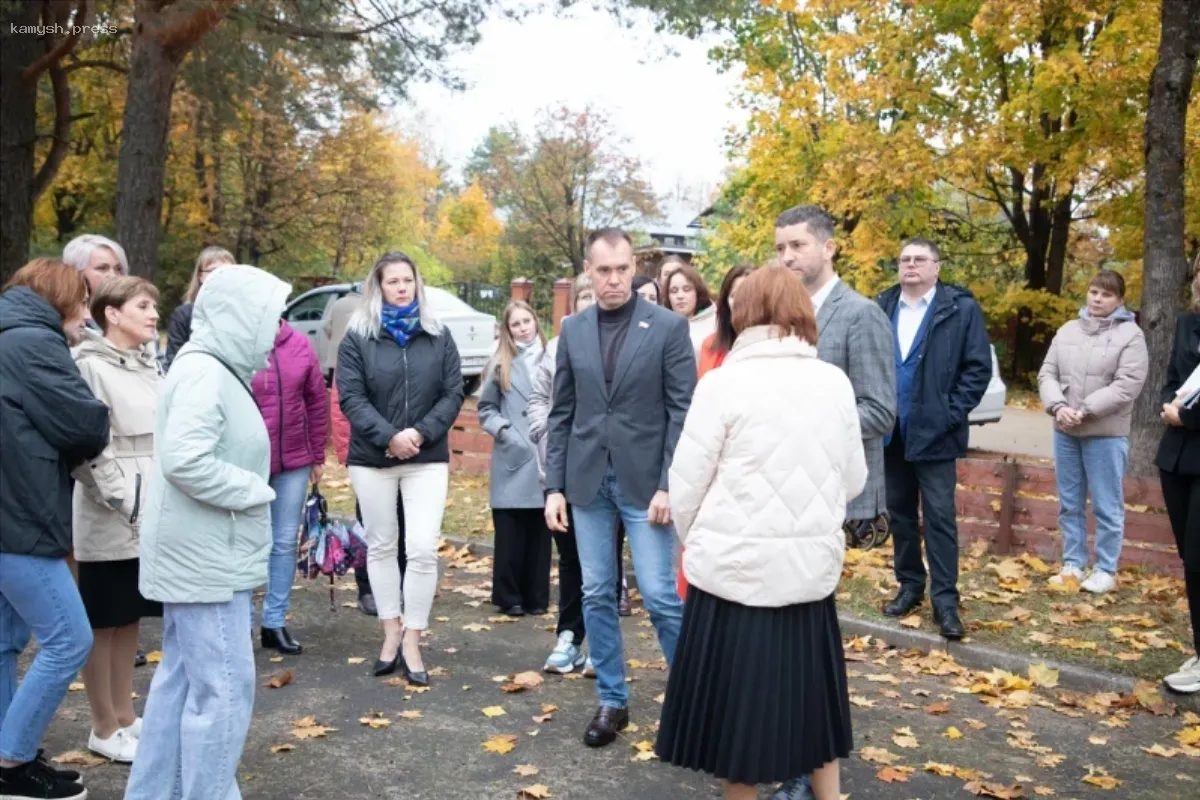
point(521, 568)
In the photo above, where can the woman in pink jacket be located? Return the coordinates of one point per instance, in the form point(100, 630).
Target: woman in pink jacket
point(291, 395)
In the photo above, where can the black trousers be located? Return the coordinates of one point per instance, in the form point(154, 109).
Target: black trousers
point(521, 566)
point(1182, 496)
point(928, 485)
point(570, 579)
point(360, 575)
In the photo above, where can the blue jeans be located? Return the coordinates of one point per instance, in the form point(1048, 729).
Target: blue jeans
point(200, 704)
point(653, 549)
point(291, 489)
point(38, 596)
point(1096, 462)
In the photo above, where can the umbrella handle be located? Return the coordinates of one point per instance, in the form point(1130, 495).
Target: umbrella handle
point(332, 607)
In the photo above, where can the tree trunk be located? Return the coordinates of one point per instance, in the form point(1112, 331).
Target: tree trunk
point(18, 131)
point(1165, 266)
point(143, 160)
point(162, 37)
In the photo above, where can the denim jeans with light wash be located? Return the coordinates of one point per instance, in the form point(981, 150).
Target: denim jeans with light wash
point(291, 489)
point(1097, 463)
point(200, 704)
point(653, 548)
point(38, 596)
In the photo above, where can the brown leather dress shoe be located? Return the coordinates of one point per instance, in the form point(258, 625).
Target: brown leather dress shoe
point(604, 726)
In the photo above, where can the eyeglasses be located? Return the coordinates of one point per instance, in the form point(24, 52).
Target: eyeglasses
point(917, 261)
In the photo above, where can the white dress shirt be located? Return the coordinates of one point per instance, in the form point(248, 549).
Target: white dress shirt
point(911, 317)
point(821, 294)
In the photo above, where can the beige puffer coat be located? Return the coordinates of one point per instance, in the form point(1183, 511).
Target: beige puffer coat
point(1096, 366)
point(111, 489)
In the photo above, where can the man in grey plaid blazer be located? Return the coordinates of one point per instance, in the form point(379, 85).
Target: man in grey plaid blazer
point(853, 334)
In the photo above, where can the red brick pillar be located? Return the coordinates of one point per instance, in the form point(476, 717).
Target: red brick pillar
point(562, 302)
point(522, 289)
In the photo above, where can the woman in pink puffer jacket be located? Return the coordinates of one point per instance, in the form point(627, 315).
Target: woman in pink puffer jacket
point(291, 395)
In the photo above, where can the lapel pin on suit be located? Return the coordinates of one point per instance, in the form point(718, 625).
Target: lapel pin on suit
point(643, 324)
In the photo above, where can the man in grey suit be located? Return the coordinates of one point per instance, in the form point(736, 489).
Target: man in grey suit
point(854, 335)
point(624, 379)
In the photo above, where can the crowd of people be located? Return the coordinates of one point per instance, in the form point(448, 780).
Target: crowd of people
point(730, 437)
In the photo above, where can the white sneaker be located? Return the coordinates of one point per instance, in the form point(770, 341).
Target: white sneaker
point(135, 730)
point(120, 747)
point(1068, 571)
point(566, 657)
point(589, 669)
point(1099, 582)
point(1187, 679)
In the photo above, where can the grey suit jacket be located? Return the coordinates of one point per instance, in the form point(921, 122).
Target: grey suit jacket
point(516, 480)
point(854, 335)
point(637, 424)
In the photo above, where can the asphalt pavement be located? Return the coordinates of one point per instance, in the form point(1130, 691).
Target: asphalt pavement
point(440, 753)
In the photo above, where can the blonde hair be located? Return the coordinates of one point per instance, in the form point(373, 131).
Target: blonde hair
point(368, 319)
point(507, 351)
point(581, 284)
point(116, 292)
point(208, 256)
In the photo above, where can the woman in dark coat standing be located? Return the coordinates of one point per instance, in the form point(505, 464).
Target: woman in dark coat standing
point(400, 385)
point(1179, 470)
point(51, 423)
point(179, 327)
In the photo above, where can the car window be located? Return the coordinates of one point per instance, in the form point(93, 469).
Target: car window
point(309, 309)
point(442, 301)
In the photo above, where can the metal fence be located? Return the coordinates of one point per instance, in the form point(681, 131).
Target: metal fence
point(486, 297)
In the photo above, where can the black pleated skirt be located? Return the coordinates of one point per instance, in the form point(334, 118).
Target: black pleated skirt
point(109, 590)
point(756, 695)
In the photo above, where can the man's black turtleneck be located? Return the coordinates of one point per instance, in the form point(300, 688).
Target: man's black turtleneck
point(614, 325)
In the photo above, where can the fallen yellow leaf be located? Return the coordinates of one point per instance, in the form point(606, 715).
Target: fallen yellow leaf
point(308, 728)
point(878, 755)
point(279, 681)
point(494, 711)
point(1098, 740)
point(409, 715)
point(536, 792)
point(475, 627)
point(354, 660)
point(911, 621)
point(154, 657)
point(76, 686)
point(1160, 751)
point(952, 733)
point(501, 743)
point(283, 748)
point(79, 758)
point(525, 770)
point(894, 774)
point(528, 680)
point(1041, 675)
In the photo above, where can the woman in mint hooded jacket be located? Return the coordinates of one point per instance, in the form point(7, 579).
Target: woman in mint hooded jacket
point(205, 540)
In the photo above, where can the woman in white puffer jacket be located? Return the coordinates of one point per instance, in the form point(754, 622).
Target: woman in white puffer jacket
point(770, 454)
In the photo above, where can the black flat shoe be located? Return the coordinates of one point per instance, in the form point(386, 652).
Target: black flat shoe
point(951, 624)
point(603, 728)
point(513, 611)
point(366, 604)
point(536, 612)
point(279, 639)
point(904, 602)
point(388, 667)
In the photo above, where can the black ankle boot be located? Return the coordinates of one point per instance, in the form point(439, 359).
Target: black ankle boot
point(279, 639)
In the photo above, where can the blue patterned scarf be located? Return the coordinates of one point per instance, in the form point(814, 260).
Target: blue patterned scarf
point(402, 321)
